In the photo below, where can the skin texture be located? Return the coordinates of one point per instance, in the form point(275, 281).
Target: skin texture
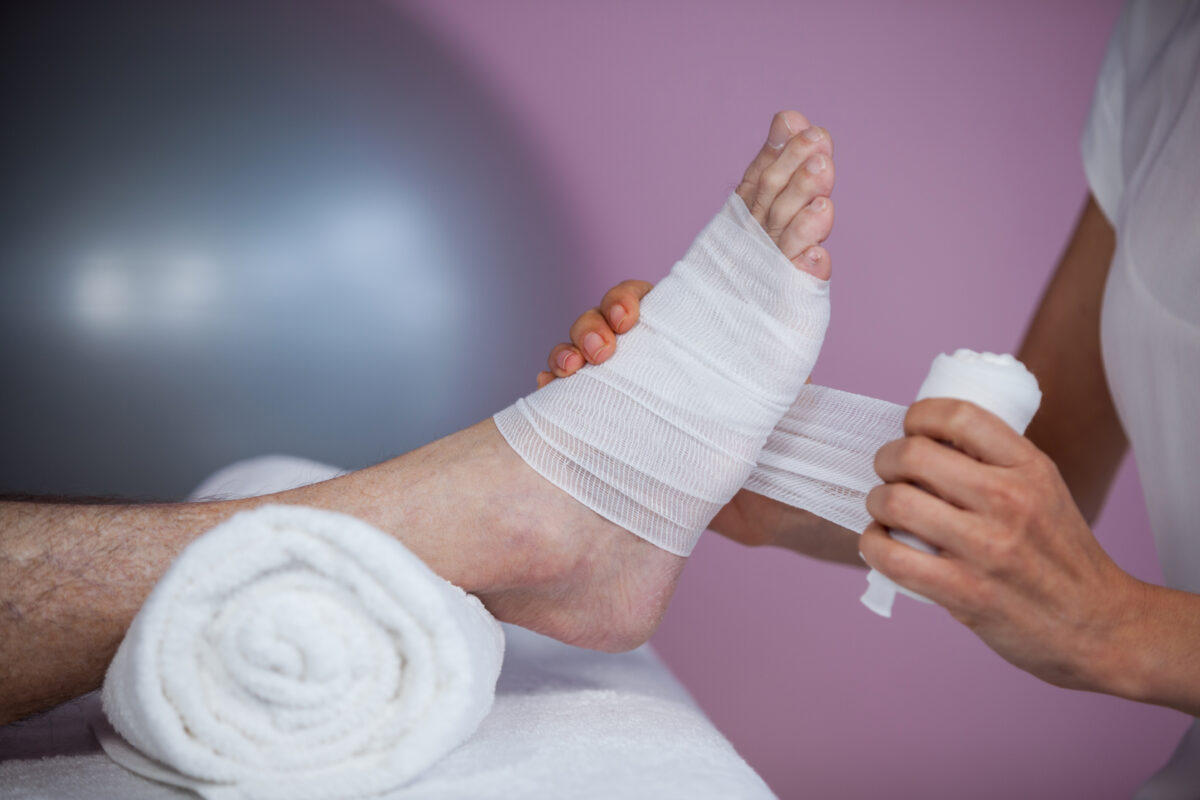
point(1019, 564)
point(72, 576)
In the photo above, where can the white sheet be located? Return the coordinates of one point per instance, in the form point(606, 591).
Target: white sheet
point(567, 722)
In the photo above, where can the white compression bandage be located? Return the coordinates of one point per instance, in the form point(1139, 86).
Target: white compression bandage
point(996, 383)
point(658, 438)
point(821, 455)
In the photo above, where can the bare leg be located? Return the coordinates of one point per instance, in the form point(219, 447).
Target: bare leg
point(73, 577)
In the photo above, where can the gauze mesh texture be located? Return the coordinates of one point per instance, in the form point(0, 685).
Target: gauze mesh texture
point(665, 432)
point(821, 455)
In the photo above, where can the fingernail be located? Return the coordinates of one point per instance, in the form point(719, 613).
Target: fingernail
point(815, 165)
point(616, 315)
point(817, 205)
point(561, 359)
point(812, 134)
point(592, 344)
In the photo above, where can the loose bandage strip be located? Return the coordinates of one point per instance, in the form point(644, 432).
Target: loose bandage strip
point(662, 435)
point(821, 455)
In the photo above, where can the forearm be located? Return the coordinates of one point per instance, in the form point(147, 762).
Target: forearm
point(1077, 424)
point(754, 520)
point(1153, 655)
point(826, 541)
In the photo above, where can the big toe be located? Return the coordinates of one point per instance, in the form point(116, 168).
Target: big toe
point(784, 125)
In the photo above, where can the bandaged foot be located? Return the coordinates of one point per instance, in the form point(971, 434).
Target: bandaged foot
point(564, 531)
point(688, 402)
point(661, 436)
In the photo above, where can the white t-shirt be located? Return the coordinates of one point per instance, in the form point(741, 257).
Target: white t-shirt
point(1141, 153)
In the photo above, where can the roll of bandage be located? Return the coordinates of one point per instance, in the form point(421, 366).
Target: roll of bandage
point(996, 383)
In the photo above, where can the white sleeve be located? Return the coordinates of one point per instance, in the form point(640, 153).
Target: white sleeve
point(1101, 144)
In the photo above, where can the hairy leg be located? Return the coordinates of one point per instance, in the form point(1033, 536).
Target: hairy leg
point(73, 576)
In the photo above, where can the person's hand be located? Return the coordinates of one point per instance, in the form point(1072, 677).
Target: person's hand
point(594, 333)
point(1018, 564)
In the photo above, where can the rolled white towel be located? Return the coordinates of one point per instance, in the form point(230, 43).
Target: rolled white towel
point(301, 654)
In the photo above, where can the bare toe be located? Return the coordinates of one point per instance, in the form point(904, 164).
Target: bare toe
point(816, 262)
point(803, 170)
point(784, 126)
point(811, 225)
point(812, 179)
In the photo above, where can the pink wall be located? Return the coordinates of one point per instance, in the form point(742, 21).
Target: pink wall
point(958, 178)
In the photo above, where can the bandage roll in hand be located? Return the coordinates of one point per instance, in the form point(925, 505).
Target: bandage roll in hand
point(996, 383)
point(298, 653)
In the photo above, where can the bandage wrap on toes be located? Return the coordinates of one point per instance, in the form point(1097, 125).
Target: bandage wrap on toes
point(662, 435)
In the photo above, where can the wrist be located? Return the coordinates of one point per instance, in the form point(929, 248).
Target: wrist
point(1119, 663)
point(1151, 651)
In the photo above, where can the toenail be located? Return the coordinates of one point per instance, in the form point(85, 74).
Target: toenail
point(817, 206)
point(813, 134)
point(777, 139)
point(813, 256)
point(616, 314)
point(815, 165)
point(592, 344)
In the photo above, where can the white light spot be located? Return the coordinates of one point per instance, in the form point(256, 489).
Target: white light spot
point(187, 283)
point(365, 238)
point(103, 294)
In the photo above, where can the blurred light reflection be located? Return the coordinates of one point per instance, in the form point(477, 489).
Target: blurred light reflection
point(237, 227)
point(103, 295)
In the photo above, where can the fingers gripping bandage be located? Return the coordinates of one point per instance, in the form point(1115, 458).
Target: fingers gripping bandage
point(821, 455)
point(658, 438)
point(996, 383)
